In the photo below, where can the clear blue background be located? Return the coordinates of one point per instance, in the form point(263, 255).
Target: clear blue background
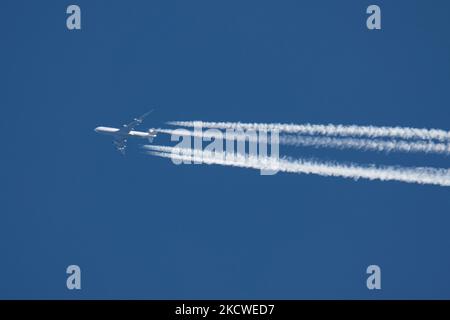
point(141, 227)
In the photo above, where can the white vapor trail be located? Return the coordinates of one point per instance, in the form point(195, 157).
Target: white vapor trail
point(331, 142)
point(419, 175)
point(239, 136)
point(366, 144)
point(327, 130)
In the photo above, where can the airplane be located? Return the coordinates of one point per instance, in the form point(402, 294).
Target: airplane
point(127, 130)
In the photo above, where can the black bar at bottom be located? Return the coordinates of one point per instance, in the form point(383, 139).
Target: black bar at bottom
point(222, 309)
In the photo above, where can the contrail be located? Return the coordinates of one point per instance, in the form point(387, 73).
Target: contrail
point(366, 144)
point(238, 136)
point(327, 130)
point(419, 175)
point(330, 142)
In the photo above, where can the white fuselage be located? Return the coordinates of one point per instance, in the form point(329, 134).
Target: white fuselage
point(115, 132)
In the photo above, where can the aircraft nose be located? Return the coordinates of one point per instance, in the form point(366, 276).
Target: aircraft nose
point(96, 129)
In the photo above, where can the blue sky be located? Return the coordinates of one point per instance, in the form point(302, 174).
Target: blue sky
point(141, 227)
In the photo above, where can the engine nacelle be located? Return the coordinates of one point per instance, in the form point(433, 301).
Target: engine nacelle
point(151, 134)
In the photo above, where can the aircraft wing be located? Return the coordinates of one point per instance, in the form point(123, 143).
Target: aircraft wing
point(133, 124)
point(121, 144)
